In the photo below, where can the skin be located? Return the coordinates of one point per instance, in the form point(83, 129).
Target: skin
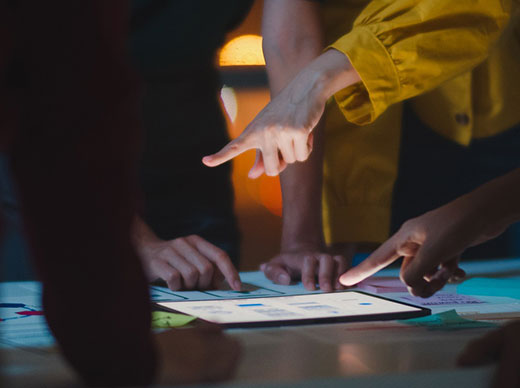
point(282, 131)
point(185, 263)
point(431, 244)
point(501, 346)
point(288, 49)
point(208, 355)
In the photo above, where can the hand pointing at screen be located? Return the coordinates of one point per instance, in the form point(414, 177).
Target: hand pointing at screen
point(282, 131)
point(431, 244)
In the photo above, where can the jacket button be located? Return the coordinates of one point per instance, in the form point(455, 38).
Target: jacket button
point(462, 118)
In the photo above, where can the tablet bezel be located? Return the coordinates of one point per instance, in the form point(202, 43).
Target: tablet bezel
point(421, 312)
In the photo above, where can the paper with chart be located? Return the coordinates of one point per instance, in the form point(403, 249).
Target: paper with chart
point(22, 323)
point(255, 285)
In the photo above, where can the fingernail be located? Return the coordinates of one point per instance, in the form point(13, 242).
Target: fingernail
point(237, 285)
point(262, 266)
point(283, 279)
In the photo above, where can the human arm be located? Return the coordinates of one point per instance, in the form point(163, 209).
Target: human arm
point(501, 346)
point(399, 49)
point(431, 244)
point(284, 127)
point(288, 47)
point(73, 163)
point(184, 263)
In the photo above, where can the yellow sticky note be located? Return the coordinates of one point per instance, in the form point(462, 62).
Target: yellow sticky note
point(163, 320)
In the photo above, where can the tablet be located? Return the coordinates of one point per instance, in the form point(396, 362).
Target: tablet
point(340, 306)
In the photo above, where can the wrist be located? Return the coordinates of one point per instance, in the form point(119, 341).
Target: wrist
point(301, 233)
point(143, 236)
point(301, 246)
point(335, 72)
point(293, 241)
point(486, 209)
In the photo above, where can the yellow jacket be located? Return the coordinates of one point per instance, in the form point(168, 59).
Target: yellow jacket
point(458, 62)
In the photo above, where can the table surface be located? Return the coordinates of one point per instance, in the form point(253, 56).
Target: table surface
point(387, 353)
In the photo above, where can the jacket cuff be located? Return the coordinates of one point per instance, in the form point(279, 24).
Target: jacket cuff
point(363, 102)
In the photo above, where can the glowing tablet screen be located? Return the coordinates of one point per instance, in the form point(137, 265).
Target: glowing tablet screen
point(330, 307)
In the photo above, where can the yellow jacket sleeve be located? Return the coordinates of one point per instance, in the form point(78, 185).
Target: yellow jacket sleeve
point(402, 48)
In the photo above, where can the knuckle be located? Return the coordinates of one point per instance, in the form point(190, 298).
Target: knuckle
point(169, 251)
point(269, 269)
point(324, 258)
point(191, 275)
point(408, 224)
point(222, 256)
point(172, 277)
point(340, 259)
point(206, 268)
point(309, 260)
point(271, 131)
point(405, 278)
point(236, 144)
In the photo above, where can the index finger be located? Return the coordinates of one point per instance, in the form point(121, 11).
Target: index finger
point(221, 260)
point(230, 150)
point(380, 258)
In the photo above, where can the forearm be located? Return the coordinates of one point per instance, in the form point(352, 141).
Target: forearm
point(78, 194)
point(302, 182)
point(301, 194)
point(287, 52)
point(288, 46)
point(142, 234)
point(498, 201)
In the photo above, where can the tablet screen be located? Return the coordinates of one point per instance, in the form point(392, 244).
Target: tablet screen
point(297, 309)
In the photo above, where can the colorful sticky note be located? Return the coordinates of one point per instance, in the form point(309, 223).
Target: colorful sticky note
point(447, 320)
point(164, 320)
point(509, 287)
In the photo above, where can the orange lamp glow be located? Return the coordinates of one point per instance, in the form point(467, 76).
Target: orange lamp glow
point(244, 50)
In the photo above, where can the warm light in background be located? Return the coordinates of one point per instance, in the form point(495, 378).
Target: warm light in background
point(257, 201)
point(271, 195)
point(245, 50)
point(241, 106)
point(229, 100)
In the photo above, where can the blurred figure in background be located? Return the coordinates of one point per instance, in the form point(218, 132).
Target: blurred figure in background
point(186, 233)
point(192, 236)
point(70, 130)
